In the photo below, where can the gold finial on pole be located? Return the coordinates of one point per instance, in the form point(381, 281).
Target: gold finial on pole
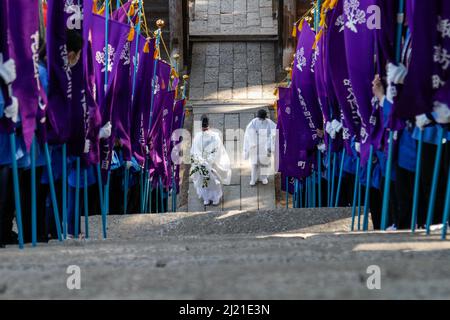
point(160, 23)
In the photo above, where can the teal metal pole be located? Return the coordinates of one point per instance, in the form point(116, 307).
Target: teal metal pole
point(15, 171)
point(125, 191)
point(355, 194)
point(77, 200)
point(368, 186)
point(64, 189)
point(52, 191)
point(333, 178)
point(417, 183)
point(387, 183)
point(341, 171)
point(434, 184)
point(319, 173)
point(287, 193)
point(446, 209)
point(86, 205)
point(33, 194)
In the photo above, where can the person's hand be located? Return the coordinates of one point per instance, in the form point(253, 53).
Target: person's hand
point(358, 147)
point(328, 127)
point(12, 111)
point(87, 146)
point(7, 70)
point(396, 74)
point(106, 131)
point(336, 126)
point(128, 165)
point(378, 88)
point(441, 113)
point(422, 121)
point(322, 147)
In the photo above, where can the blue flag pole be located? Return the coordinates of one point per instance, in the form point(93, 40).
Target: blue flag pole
point(333, 179)
point(125, 191)
point(100, 186)
point(162, 195)
point(300, 200)
point(77, 200)
point(417, 183)
point(446, 209)
point(64, 189)
point(313, 188)
point(359, 205)
point(319, 173)
point(287, 192)
point(368, 186)
point(15, 170)
point(355, 194)
point(434, 184)
point(329, 173)
point(52, 191)
point(141, 190)
point(86, 205)
point(387, 182)
point(341, 171)
point(33, 194)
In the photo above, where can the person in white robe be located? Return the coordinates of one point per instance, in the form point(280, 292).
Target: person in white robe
point(259, 141)
point(210, 165)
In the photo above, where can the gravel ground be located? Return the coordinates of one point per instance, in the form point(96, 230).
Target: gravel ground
point(286, 254)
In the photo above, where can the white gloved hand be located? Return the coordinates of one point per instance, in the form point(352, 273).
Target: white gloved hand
point(391, 93)
point(422, 121)
point(105, 131)
point(396, 74)
point(358, 147)
point(441, 113)
point(322, 147)
point(328, 127)
point(128, 165)
point(336, 126)
point(12, 111)
point(7, 70)
point(87, 146)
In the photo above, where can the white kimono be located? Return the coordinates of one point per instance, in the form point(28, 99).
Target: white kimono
point(259, 143)
point(210, 167)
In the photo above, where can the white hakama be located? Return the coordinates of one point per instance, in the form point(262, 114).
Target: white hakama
point(210, 166)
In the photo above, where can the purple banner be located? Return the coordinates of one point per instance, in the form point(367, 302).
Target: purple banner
point(23, 45)
point(294, 138)
point(303, 82)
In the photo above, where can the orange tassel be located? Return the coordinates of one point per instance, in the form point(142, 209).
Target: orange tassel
point(147, 47)
point(131, 35)
point(294, 31)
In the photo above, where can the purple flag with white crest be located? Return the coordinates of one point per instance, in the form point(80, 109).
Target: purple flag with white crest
point(22, 36)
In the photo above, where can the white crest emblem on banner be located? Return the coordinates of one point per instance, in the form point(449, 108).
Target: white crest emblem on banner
point(352, 17)
point(301, 59)
point(100, 57)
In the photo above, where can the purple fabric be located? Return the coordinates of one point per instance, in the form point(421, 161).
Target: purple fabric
point(141, 101)
point(319, 74)
point(294, 138)
point(386, 35)
point(23, 45)
point(359, 47)
point(166, 133)
point(339, 73)
point(121, 14)
point(60, 88)
point(417, 94)
point(118, 36)
point(6, 126)
point(303, 82)
point(121, 102)
point(442, 67)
